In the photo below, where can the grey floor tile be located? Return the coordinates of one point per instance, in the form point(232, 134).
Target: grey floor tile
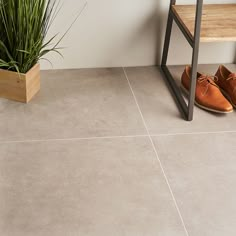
point(160, 111)
point(74, 103)
point(97, 187)
point(202, 173)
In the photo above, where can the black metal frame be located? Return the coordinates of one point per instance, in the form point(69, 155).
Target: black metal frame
point(194, 41)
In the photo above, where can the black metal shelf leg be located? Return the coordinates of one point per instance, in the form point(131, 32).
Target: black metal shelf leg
point(186, 109)
point(175, 90)
point(168, 35)
point(197, 35)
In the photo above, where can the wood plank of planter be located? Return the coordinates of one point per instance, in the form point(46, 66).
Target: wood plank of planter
point(20, 87)
point(32, 82)
point(218, 21)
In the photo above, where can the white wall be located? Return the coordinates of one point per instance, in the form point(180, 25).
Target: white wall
point(113, 33)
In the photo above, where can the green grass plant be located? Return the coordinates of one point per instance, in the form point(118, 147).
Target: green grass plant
point(24, 25)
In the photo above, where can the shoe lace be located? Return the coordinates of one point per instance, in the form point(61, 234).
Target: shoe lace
point(208, 78)
point(231, 77)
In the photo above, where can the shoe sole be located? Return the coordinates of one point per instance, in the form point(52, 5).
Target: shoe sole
point(228, 97)
point(203, 107)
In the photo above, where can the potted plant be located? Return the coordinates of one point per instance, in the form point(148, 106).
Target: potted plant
point(24, 25)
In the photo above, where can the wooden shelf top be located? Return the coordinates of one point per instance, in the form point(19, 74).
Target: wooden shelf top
point(218, 21)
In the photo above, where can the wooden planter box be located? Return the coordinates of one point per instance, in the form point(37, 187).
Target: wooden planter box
point(20, 87)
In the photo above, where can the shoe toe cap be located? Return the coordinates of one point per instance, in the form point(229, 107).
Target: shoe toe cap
point(225, 106)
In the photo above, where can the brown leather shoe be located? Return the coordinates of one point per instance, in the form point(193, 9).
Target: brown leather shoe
point(227, 83)
point(208, 95)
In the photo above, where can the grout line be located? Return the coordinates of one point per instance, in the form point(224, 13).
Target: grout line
point(115, 137)
point(73, 139)
point(194, 133)
point(157, 156)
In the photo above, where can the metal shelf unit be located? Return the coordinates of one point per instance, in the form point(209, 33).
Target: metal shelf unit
point(198, 23)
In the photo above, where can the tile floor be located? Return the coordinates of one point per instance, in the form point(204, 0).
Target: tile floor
point(103, 152)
